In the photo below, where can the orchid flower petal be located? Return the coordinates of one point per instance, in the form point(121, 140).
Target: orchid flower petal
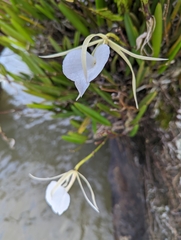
point(71, 181)
point(45, 179)
point(101, 55)
point(81, 87)
point(93, 205)
point(64, 179)
point(85, 45)
point(66, 52)
point(72, 66)
point(114, 47)
point(73, 69)
point(59, 200)
point(119, 49)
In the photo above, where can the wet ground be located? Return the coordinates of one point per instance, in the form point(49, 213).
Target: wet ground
point(24, 214)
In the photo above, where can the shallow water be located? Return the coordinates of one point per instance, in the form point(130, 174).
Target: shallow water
point(24, 214)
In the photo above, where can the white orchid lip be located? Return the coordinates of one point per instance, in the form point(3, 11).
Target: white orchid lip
point(73, 68)
point(59, 200)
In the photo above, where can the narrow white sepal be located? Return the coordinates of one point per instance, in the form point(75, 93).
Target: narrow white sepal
point(59, 200)
point(93, 203)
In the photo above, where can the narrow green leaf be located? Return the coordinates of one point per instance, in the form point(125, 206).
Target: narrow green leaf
point(30, 10)
point(76, 39)
point(45, 12)
point(174, 49)
point(142, 71)
point(12, 41)
point(13, 15)
point(66, 43)
point(40, 106)
point(130, 30)
point(94, 126)
point(138, 117)
point(77, 112)
point(30, 61)
point(73, 17)
point(132, 33)
point(74, 138)
point(32, 22)
point(67, 96)
point(148, 99)
point(134, 131)
point(55, 45)
point(157, 34)
point(65, 114)
point(61, 79)
point(108, 77)
point(106, 109)
point(50, 90)
point(23, 31)
point(106, 96)
point(41, 95)
point(172, 54)
point(75, 123)
point(49, 9)
point(92, 114)
point(100, 4)
point(177, 7)
point(9, 31)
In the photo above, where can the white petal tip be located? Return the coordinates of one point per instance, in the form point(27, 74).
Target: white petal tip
point(79, 96)
point(97, 210)
point(33, 177)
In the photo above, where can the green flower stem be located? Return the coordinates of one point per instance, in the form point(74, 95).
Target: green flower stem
point(89, 156)
point(116, 38)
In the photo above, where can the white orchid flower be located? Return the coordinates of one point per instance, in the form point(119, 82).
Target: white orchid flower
point(82, 67)
point(73, 69)
point(57, 191)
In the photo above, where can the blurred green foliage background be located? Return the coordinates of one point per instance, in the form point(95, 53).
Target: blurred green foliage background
point(40, 27)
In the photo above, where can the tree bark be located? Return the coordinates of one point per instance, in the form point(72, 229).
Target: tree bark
point(126, 179)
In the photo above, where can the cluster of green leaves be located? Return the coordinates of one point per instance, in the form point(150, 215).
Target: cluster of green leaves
point(161, 42)
point(23, 21)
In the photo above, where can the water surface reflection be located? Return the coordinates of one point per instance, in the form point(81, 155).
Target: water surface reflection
point(24, 214)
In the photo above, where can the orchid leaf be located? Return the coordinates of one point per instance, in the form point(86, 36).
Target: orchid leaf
point(134, 131)
point(157, 34)
point(107, 110)
point(84, 125)
point(92, 114)
point(74, 138)
point(138, 117)
point(74, 18)
point(148, 99)
point(40, 106)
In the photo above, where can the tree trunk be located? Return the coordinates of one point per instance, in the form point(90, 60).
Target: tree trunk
point(145, 178)
point(128, 199)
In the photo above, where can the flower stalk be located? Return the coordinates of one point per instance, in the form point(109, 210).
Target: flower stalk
point(79, 164)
